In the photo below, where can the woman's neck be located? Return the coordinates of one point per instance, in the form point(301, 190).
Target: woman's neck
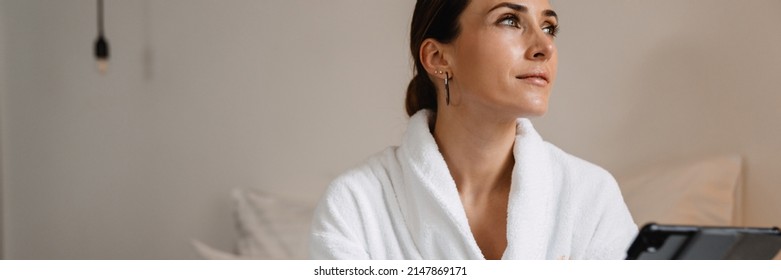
point(478, 151)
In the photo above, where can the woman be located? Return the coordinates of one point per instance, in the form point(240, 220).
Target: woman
point(472, 179)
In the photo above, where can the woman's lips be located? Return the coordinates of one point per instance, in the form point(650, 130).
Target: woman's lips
point(539, 80)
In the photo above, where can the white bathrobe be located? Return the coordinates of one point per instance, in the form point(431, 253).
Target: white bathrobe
point(403, 204)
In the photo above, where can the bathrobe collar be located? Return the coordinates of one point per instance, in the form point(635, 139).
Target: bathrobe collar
point(432, 208)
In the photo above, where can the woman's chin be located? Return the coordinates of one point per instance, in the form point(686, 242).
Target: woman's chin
point(534, 112)
point(532, 108)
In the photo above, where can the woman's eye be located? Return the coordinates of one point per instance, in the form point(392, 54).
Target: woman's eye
point(510, 21)
point(551, 30)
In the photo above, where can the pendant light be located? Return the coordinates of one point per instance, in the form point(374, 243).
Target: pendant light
point(101, 45)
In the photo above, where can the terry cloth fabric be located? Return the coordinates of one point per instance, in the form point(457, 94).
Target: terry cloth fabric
point(403, 204)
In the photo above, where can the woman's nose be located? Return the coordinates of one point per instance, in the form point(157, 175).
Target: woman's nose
point(541, 47)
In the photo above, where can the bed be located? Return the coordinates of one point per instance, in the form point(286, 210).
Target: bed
point(705, 191)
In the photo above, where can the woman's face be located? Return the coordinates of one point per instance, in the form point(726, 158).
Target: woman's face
point(504, 59)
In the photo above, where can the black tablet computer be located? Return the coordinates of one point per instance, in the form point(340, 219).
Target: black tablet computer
point(676, 242)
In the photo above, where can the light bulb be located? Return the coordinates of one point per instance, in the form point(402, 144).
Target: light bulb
point(102, 65)
point(102, 54)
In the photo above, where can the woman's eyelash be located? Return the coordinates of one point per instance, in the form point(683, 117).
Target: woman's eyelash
point(553, 30)
point(514, 21)
point(510, 20)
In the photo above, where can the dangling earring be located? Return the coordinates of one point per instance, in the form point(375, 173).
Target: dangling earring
point(447, 87)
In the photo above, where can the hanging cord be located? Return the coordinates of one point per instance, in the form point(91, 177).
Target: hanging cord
point(100, 17)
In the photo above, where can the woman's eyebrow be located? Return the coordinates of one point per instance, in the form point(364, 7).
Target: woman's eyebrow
point(550, 13)
point(513, 6)
point(522, 9)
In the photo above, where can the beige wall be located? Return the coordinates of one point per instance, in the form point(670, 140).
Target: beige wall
point(643, 82)
point(205, 96)
point(2, 104)
point(201, 97)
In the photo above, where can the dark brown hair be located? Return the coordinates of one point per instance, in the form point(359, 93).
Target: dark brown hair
point(436, 19)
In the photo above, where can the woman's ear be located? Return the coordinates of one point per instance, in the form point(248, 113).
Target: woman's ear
point(432, 56)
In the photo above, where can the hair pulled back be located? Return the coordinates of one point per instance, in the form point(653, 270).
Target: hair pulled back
point(438, 20)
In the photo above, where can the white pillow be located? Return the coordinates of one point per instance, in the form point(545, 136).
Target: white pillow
point(269, 227)
point(706, 192)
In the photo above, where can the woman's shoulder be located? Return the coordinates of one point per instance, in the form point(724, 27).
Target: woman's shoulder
point(355, 204)
point(578, 169)
point(587, 186)
point(364, 179)
point(352, 197)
